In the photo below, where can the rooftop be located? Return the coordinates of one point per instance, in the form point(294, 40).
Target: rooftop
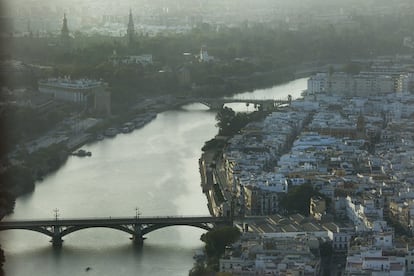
point(69, 83)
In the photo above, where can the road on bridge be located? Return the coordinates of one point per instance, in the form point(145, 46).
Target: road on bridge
point(110, 221)
point(136, 226)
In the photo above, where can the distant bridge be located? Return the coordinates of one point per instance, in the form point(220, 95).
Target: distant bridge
point(136, 226)
point(218, 103)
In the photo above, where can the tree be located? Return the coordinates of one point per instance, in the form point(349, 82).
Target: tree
point(7, 202)
point(352, 68)
point(216, 241)
point(224, 119)
point(230, 122)
point(17, 180)
point(200, 270)
point(298, 198)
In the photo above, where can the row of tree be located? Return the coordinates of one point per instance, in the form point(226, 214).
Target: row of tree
point(230, 123)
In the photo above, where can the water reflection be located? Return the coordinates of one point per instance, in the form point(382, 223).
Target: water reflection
point(154, 169)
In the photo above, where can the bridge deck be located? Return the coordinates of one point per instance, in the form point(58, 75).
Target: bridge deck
point(110, 221)
point(135, 226)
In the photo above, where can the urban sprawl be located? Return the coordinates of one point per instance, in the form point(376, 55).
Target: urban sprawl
point(351, 139)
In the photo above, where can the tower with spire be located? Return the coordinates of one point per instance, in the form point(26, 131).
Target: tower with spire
point(64, 33)
point(130, 29)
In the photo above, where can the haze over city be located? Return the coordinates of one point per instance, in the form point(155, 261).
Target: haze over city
point(206, 137)
point(85, 14)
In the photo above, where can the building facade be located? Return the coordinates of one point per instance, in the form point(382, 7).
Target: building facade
point(91, 94)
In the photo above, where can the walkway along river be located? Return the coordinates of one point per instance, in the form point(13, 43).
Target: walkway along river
point(151, 171)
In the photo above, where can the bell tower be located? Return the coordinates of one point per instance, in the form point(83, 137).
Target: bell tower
point(130, 30)
point(64, 33)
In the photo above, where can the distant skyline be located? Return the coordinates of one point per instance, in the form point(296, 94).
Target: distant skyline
point(45, 15)
point(240, 4)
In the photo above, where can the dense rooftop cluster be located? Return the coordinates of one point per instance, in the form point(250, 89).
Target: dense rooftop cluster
point(356, 152)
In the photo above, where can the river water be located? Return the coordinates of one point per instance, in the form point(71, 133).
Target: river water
point(153, 170)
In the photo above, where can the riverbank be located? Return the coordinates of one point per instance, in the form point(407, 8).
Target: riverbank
point(214, 181)
point(135, 170)
point(49, 159)
point(138, 169)
point(29, 166)
point(215, 174)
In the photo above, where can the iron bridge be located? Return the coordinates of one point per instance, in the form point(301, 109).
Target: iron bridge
point(137, 227)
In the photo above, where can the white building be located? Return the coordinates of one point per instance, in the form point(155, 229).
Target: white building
point(364, 214)
point(143, 60)
point(91, 94)
point(406, 83)
point(317, 83)
point(278, 255)
point(340, 83)
point(384, 240)
point(204, 56)
point(372, 262)
point(366, 83)
point(372, 84)
point(340, 236)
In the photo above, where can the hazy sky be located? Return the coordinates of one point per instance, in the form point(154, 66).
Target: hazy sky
point(80, 11)
point(105, 4)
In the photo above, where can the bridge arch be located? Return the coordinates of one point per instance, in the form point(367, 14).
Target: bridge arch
point(40, 230)
point(144, 230)
point(73, 229)
point(265, 104)
point(137, 228)
point(211, 105)
point(155, 227)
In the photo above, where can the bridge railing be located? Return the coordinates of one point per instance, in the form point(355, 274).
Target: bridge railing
point(114, 218)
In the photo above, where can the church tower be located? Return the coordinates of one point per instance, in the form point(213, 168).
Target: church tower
point(130, 30)
point(64, 33)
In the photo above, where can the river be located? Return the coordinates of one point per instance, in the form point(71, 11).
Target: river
point(153, 170)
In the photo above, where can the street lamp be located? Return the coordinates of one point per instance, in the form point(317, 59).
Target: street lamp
point(56, 211)
point(137, 213)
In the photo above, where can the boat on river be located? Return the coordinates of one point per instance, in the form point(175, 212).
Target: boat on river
point(128, 127)
point(111, 132)
point(144, 119)
point(82, 153)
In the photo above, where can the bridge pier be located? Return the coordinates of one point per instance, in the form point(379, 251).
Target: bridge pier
point(137, 237)
point(57, 237)
point(136, 227)
point(138, 241)
point(56, 241)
